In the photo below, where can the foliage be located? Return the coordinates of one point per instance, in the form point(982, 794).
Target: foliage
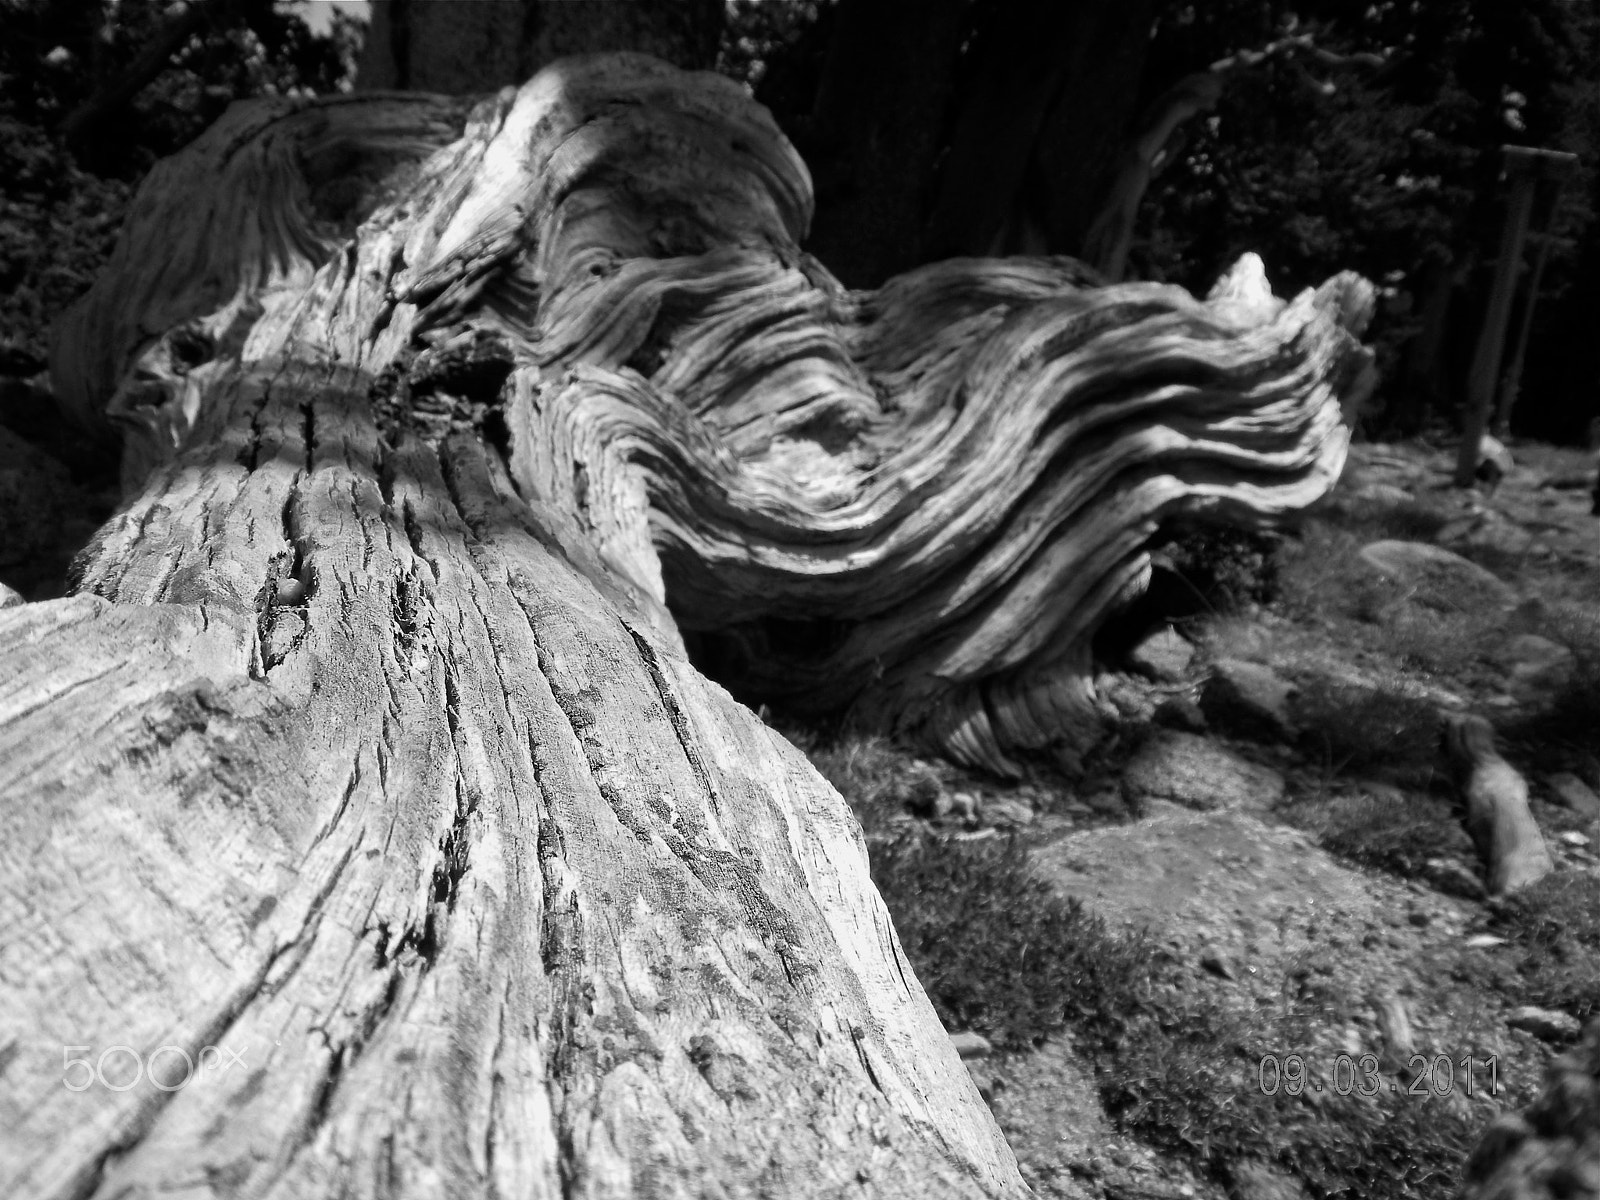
point(1393, 833)
point(57, 228)
point(1193, 1088)
point(1225, 569)
point(60, 209)
point(1356, 729)
point(766, 42)
point(1563, 729)
point(1555, 927)
point(998, 951)
point(879, 780)
point(1388, 170)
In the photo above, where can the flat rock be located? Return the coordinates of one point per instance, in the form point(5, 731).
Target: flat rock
point(1249, 698)
point(1164, 656)
point(1440, 578)
point(1197, 773)
point(1569, 790)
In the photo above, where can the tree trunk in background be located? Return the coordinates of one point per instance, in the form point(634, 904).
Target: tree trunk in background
point(367, 750)
point(1043, 122)
point(876, 132)
point(452, 48)
point(1091, 122)
point(962, 129)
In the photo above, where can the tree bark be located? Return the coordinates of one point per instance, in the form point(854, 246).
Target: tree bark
point(367, 750)
point(877, 129)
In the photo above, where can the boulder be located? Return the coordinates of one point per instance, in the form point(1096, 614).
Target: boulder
point(1196, 773)
point(1164, 656)
point(10, 597)
point(1248, 698)
point(1439, 578)
point(1575, 794)
point(1535, 666)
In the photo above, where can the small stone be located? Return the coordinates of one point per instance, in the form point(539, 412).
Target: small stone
point(1573, 838)
point(1548, 1025)
point(1106, 803)
point(1218, 963)
point(1248, 697)
point(1164, 656)
point(1419, 917)
point(971, 1045)
point(1394, 1026)
point(1494, 460)
point(964, 806)
point(1382, 495)
point(1576, 795)
point(1005, 811)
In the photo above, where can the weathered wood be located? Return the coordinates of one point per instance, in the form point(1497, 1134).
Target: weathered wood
point(916, 503)
point(373, 757)
point(1498, 819)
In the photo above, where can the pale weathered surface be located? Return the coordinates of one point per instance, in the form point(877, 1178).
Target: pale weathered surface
point(918, 502)
point(374, 758)
point(481, 883)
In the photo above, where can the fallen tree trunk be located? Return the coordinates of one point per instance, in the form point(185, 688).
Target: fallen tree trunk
point(365, 773)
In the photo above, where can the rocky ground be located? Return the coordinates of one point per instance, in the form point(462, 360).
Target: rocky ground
point(1277, 830)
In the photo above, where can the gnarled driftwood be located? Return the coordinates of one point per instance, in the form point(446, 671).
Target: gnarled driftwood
point(367, 753)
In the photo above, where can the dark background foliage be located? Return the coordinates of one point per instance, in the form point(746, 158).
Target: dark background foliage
point(1388, 169)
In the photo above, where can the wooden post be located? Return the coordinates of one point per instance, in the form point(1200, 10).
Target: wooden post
point(1511, 382)
point(1524, 166)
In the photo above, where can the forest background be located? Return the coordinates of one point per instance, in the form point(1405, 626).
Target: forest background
point(1346, 136)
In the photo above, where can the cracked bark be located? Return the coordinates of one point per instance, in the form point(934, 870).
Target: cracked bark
point(368, 748)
